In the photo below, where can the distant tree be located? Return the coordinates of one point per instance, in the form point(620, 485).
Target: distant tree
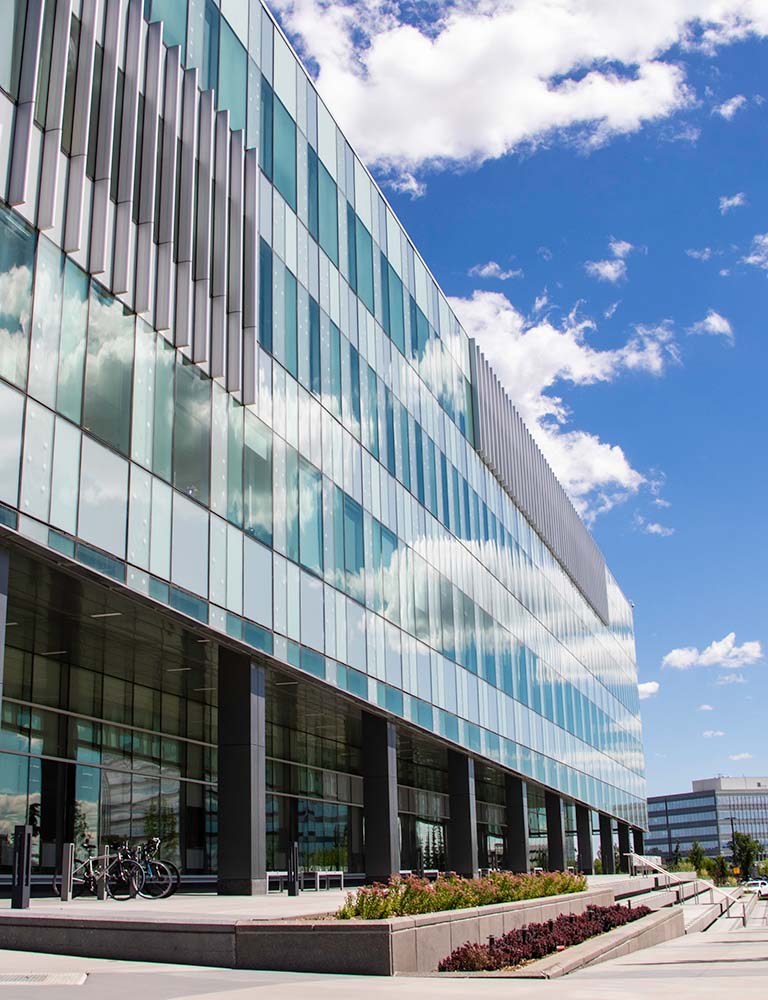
point(744, 851)
point(676, 855)
point(762, 869)
point(598, 864)
point(708, 866)
point(721, 872)
point(696, 855)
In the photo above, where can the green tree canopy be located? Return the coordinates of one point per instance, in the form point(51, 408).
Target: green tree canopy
point(745, 850)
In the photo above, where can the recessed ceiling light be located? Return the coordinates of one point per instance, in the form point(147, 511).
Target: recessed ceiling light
point(177, 670)
point(282, 684)
point(9, 624)
point(202, 641)
point(108, 614)
point(204, 689)
point(53, 652)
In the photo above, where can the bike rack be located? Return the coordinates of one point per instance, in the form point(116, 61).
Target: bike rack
point(67, 871)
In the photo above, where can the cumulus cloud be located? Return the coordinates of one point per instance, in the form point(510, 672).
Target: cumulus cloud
point(740, 756)
point(710, 733)
point(620, 248)
point(531, 355)
point(725, 679)
point(406, 183)
point(704, 254)
point(713, 323)
point(722, 653)
point(610, 312)
point(648, 689)
point(706, 708)
point(653, 527)
point(518, 72)
point(727, 202)
point(494, 270)
point(729, 108)
point(606, 270)
point(758, 255)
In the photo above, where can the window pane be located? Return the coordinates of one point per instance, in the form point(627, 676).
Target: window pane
point(257, 479)
point(364, 265)
point(335, 401)
point(285, 154)
point(189, 556)
point(44, 346)
point(329, 221)
point(108, 370)
point(173, 14)
point(74, 325)
point(397, 328)
point(310, 517)
point(354, 553)
point(314, 347)
point(162, 438)
point(192, 433)
point(233, 77)
point(291, 504)
point(291, 347)
point(312, 193)
point(266, 152)
point(235, 462)
point(11, 45)
point(103, 498)
point(11, 419)
point(265, 296)
point(209, 70)
point(17, 259)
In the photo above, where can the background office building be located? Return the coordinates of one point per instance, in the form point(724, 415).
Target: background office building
point(711, 813)
point(281, 560)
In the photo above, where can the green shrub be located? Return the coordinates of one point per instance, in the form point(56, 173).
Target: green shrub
point(407, 896)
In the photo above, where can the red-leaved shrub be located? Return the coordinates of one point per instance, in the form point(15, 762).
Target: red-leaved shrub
point(537, 940)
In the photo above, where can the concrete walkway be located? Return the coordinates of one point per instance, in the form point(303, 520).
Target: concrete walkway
point(727, 961)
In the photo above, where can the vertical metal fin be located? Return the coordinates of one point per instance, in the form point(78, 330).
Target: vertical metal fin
point(25, 107)
point(235, 278)
point(103, 172)
point(250, 275)
point(184, 241)
point(220, 237)
point(147, 177)
point(81, 121)
point(167, 219)
point(54, 115)
point(202, 262)
point(128, 135)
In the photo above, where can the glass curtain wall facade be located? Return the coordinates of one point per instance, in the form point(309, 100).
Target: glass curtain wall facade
point(230, 386)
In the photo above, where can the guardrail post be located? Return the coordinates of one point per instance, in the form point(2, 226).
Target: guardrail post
point(67, 870)
point(22, 867)
point(101, 881)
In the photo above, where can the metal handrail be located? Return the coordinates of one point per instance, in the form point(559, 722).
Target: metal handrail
point(672, 876)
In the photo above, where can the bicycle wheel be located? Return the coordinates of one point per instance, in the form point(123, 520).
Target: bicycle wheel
point(125, 879)
point(175, 876)
point(158, 881)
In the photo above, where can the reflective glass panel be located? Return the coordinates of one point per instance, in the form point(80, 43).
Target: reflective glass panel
point(108, 370)
point(17, 259)
point(192, 432)
point(257, 479)
point(74, 326)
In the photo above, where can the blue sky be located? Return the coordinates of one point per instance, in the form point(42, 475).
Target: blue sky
point(588, 184)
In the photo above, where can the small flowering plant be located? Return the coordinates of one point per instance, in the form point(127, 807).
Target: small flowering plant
point(408, 896)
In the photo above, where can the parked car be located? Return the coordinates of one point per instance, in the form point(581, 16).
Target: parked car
point(757, 885)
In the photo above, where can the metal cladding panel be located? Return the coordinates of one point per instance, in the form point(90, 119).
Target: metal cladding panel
point(25, 110)
point(49, 172)
point(509, 450)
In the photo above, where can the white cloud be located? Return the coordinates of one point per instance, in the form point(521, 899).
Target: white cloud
point(531, 355)
point(722, 653)
point(706, 708)
point(661, 502)
point(406, 183)
point(606, 270)
point(758, 256)
point(545, 253)
point(494, 270)
point(648, 689)
point(517, 72)
point(715, 324)
point(740, 756)
point(620, 248)
point(727, 202)
point(725, 679)
point(724, 272)
point(704, 254)
point(729, 108)
point(610, 312)
point(653, 527)
point(710, 733)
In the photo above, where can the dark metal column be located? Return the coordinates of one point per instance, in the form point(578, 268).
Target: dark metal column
point(242, 819)
point(606, 845)
point(516, 840)
point(555, 832)
point(462, 827)
point(638, 838)
point(624, 848)
point(381, 835)
point(4, 561)
point(585, 862)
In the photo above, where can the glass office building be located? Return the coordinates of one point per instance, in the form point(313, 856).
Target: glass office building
point(281, 560)
point(710, 814)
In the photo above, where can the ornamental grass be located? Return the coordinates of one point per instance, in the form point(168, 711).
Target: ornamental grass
point(408, 896)
point(525, 944)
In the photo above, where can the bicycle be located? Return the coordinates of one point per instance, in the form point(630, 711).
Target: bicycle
point(161, 877)
point(123, 877)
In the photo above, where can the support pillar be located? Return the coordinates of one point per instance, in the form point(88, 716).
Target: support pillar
point(242, 817)
point(606, 845)
point(462, 827)
point(586, 863)
point(555, 832)
point(624, 847)
point(381, 836)
point(638, 839)
point(516, 841)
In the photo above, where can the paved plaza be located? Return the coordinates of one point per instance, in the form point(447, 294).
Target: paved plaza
point(727, 961)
